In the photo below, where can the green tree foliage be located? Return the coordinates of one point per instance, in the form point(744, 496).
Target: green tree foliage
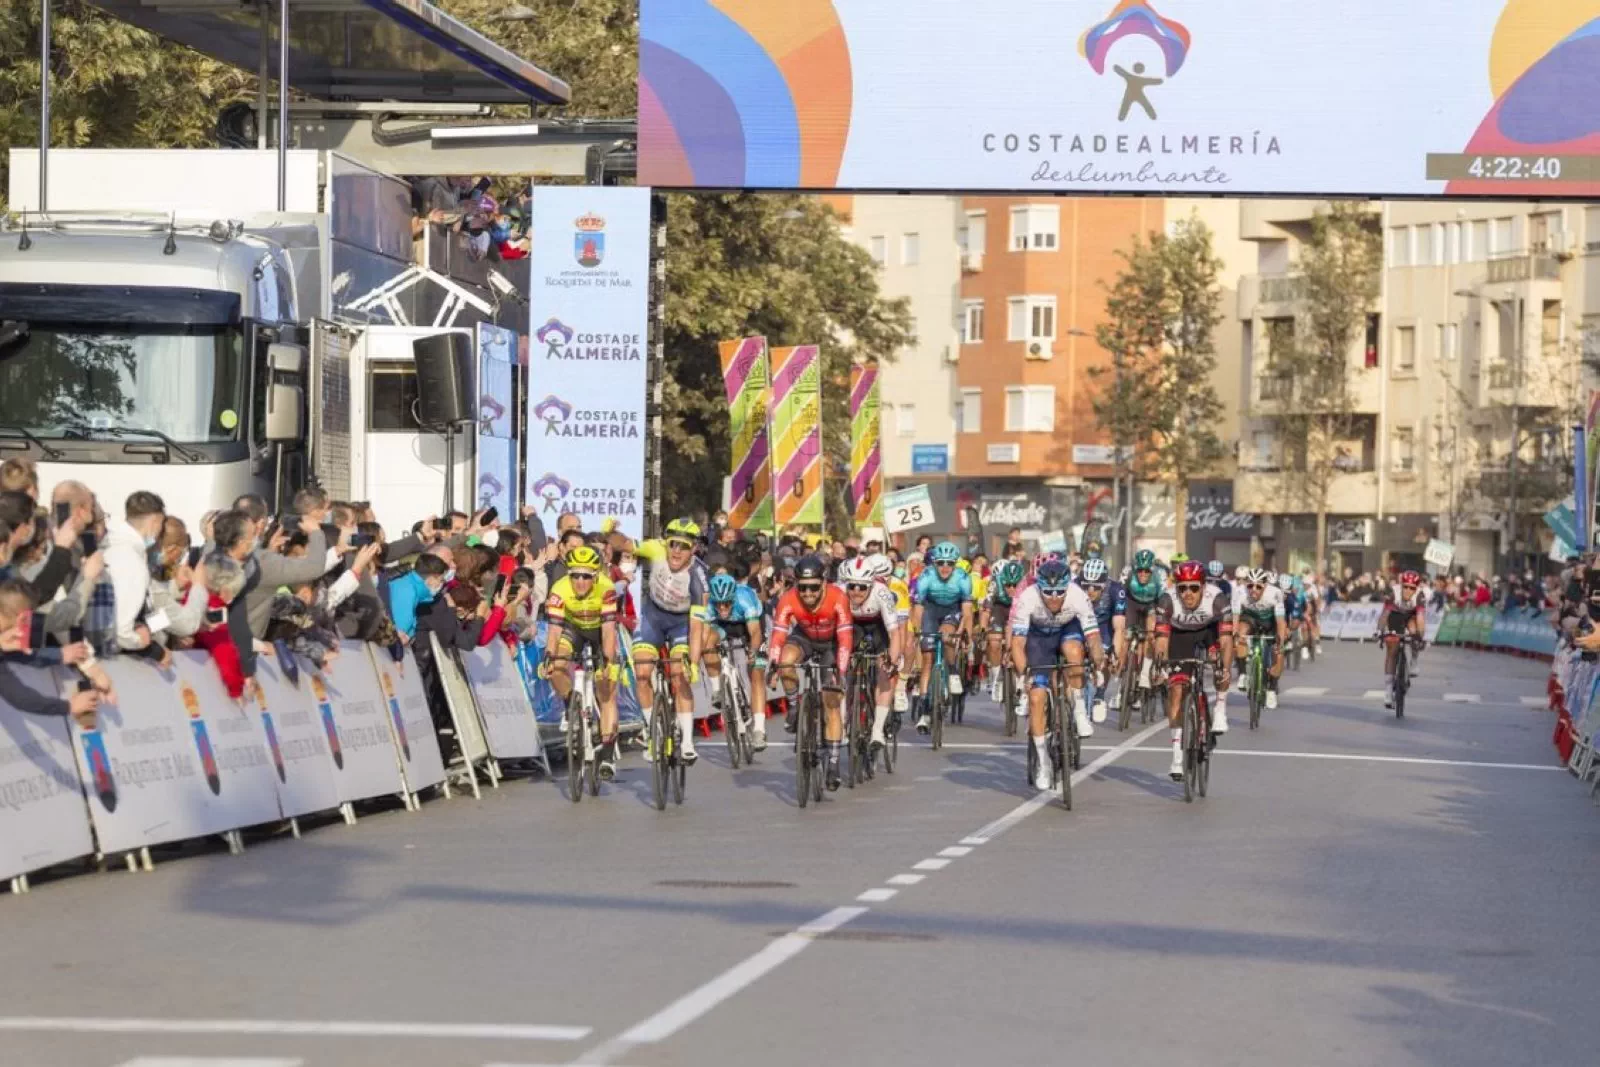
point(593, 45)
point(1162, 313)
point(1341, 267)
point(777, 266)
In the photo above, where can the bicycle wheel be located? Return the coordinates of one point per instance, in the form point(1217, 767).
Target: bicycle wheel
point(1008, 700)
point(936, 702)
point(575, 746)
point(591, 767)
point(1191, 746)
point(958, 701)
point(1061, 728)
point(818, 759)
point(658, 748)
point(1126, 691)
point(804, 750)
point(891, 742)
point(1257, 683)
point(731, 726)
point(678, 769)
point(1402, 682)
point(747, 742)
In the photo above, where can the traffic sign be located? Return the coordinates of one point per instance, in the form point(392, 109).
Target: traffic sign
point(908, 509)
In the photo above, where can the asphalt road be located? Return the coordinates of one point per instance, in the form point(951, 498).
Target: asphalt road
point(1355, 889)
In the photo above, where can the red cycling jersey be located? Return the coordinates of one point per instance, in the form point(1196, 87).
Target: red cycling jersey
point(830, 622)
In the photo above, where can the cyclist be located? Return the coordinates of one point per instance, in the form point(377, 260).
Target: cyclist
point(582, 613)
point(1313, 609)
point(1192, 621)
point(1110, 601)
point(1144, 591)
point(877, 631)
point(1261, 609)
point(733, 615)
point(996, 616)
point(1049, 623)
point(1402, 615)
point(940, 606)
point(1294, 606)
point(1217, 575)
point(672, 582)
point(813, 620)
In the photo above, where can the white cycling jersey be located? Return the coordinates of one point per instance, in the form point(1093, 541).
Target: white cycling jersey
point(1029, 614)
point(879, 606)
point(1271, 601)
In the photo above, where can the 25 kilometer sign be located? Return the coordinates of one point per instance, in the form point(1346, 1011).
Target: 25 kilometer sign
point(907, 509)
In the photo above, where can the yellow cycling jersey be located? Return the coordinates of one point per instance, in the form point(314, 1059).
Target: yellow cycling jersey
point(980, 588)
point(566, 608)
point(902, 595)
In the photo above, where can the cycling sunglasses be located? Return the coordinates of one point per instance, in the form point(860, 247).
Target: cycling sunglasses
point(944, 563)
point(1043, 591)
point(581, 576)
point(1190, 587)
point(1094, 587)
point(1259, 587)
point(673, 542)
point(858, 587)
point(809, 587)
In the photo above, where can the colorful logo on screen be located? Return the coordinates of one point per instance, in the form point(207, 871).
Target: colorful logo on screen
point(742, 93)
point(552, 490)
point(552, 411)
point(1544, 71)
point(555, 335)
point(589, 242)
point(202, 739)
point(1136, 18)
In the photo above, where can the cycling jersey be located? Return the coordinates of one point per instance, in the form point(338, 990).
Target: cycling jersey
point(814, 629)
point(1262, 614)
point(564, 607)
point(879, 606)
point(980, 588)
point(1226, 587)
point(1294, 606)
point(1030, 616)
point(1399, 602)
point(1112, 603)
point(1213, 612)
point(1000, 598)
point(674, 592)
point(902, 596)
point(931, 589)
point(746, 609)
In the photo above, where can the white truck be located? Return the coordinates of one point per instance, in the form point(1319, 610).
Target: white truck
point(198, 346)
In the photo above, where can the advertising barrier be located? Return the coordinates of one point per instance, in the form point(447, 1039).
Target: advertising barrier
point(295, 738)
point(42, 817)
point(356, 720)
point(508, 722)
point(245, 784)
point(421, 764)
point(1519, 630)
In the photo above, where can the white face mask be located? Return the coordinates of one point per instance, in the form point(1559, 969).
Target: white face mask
point(627, 567)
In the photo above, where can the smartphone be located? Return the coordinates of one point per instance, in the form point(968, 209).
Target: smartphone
point(88, 542)
point(63, 512)
point(481, 187)
point(216, 616)
point(35, 631)
point(157, 621)
point(85, 686)
point(489, 515)
point(74, 635)
point(360, 540)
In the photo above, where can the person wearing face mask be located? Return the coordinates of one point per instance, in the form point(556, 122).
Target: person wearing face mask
point(410, 593)
point(127, 552)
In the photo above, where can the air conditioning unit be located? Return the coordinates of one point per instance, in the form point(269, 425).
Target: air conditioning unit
point(952, 354)
point(1041, 350)
point(971, 262)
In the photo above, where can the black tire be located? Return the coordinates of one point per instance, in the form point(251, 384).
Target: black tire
point(1257, 684)
point(958, 704)
point(575, 746)
point(936, 709)
point(804, 751)
point(1064, 734)
point(1402, 682)
point(658, 748)
point(891, 743)
point(1032, 761)
point(1126, 691)
point(679, 771)
point(1008, 696)
point(1191, 745)
point(732, 726)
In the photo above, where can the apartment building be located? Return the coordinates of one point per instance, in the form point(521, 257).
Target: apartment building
point(1485, 313)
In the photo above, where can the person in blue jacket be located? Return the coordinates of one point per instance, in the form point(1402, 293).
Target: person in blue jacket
point(422, 586)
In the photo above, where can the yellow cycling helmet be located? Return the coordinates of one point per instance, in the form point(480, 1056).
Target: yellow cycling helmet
point(964, 565)
point(583, 558)
point(685, 528)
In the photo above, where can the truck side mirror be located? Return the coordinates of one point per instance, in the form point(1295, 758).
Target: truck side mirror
point(285, 420)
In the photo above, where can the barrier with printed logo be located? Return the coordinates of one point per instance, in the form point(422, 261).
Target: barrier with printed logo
point(42, 817)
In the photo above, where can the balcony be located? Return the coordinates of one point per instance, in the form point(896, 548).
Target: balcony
point(1270, 295)
point(1524, 268)
point(1279, 492)
point(1261, 220)
point(971, 262)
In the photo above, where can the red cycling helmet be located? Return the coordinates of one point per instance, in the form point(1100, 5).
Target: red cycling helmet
point(1189, 571)
point(1411, 578)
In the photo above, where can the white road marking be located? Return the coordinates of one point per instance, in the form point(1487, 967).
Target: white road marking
point(1306, 691)
point(906, 879)
point(1462, 698)
point(930, 865)
point(1374, 694)
point(955, 852)
point(280, 1027)
point(877, 896)
point(210, 1061)
point(1535, 702)
point(972, 841)
point(1356, 757)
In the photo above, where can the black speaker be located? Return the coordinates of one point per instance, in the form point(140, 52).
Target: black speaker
point(444, 378)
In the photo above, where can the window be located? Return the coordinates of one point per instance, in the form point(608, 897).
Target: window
point(1400, 246)
point(1591, 229)
point(1591, 339)
point(879, 249)
point(392, 397)
point(1031, 318)
point(1266, 446)
point(1030, 408)
point(1425, 246)
point(1374, 331)
point(910, 249)
point(1452, 243)
point(1545, 232)
point(977, 231)
point(971, 322)
point(1477, 241)
point(1405, 360)
point(1447, 340)
point(1272, 257)
point(1405, 445)
point(905, 419)
point(969, 416)
point(1500, 237)
point(1035, 228)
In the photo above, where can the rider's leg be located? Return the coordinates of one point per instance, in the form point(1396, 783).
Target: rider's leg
point(1072, 652)
point(880, 709)
point(683, 699)
point(758, 705)
point(789, 678)
point(1038, 717)
point(1175, 728)
point(644, 672)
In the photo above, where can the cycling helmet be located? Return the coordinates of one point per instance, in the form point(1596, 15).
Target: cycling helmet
point(1011, 573)
point(1188, 571)
point(880, 565)
point(857, 571)
point(945, 552)
point(1144, 560)
point(1053, 576)
point(1285, 582)
point(1179, 557)
point(1299, 586)
point(811, 568)
point(1215, 569)
point(722, 589)
point(583, 559)
point(1241, 573)
point(1094, 570)
point(1257, 576)
point(1411, 578)
point(685, 528)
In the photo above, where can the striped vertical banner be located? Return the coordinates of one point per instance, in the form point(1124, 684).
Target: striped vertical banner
point(744, 376)
point(797, 434)
point(866, 460)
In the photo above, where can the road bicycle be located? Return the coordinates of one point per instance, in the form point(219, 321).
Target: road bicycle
point(733, 697)
point(1063, 747)
point(810, 755)
point(941, 701)
point(580, 725)
point(1131, 692)
point(1402, 672)
point(1196, 716)
point(668, 772)
point(860, 699)
point(1256, 674)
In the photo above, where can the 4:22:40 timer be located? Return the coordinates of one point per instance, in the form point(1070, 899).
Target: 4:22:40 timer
point(1515, 168)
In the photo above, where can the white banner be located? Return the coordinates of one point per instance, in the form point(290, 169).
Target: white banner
point(589, 310)
point(1105, 96)
point(1332, 620)
point(1361, 623)
point(296, 740)
point(245, 789)
point(42, 817)
point(908, 509)
point(1431, 623)
point(408, 710)
point(508, 722)
point(362, 741)
point(496, 476)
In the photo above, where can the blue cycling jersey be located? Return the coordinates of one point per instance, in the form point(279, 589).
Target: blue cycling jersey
point(931, 589)
point(1112, 602)
point(746, 609)
point(1226, 587)
point(1294, 605)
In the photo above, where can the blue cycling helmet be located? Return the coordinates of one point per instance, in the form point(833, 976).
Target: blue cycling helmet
point(1215, 570)
point(722, 589)
point(945, 552)
point(1144, 560)
point(1094, 570)
point(1053, 576)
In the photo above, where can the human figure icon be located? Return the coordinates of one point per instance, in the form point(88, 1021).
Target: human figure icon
point(1135, 94)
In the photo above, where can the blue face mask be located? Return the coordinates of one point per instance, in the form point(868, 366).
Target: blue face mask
point(449, 576)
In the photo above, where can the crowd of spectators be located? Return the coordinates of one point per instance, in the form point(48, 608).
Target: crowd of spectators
point(1456, 590)
point(493, 229)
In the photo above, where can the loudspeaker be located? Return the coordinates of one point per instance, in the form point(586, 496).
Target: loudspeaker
point(444, 378)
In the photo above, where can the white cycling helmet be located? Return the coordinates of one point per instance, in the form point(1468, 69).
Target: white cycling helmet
point(1241, 573)
point(857, 570)
point(880, 565)
point(1286, 582)
point(1257, 576)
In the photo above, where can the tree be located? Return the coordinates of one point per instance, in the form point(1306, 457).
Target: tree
point(1340, 264)
point(593, 45)
point(758, 264)
point(1163, 310)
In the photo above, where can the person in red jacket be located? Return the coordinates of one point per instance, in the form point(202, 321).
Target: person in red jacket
point(813, 622)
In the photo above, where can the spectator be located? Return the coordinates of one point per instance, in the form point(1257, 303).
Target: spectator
point(225, 580)
point(414, 591)
point(19, 476)
point(16, 619)
point(177, 590)
point(127, 548)
point(1014, 546)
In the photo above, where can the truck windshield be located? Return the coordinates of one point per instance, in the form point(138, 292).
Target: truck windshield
point(188, 382)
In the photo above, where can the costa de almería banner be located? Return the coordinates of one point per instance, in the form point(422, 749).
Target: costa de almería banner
point(587, 359)
point(1493, 98)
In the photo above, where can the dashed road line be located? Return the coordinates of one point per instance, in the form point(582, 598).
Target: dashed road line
point(930, 865)
point(877, 896)
point(1307, 691)
point(1462, 698)
point(906, 879)
point(297, 1027)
